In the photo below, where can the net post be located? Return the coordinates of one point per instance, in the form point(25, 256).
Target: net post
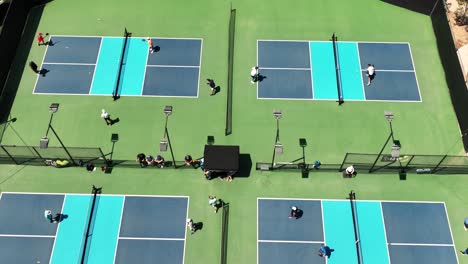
point(95, 191)
point(337, 68)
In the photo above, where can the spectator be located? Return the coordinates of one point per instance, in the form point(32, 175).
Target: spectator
point(150, 160)
point(141, 158)
point(90, 167)
point(159, 161)
point(349, 172)
point(189, 161)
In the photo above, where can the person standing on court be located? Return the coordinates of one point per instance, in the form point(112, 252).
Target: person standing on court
point(254, 74)
point(106, 117)
point(150, 44)
point(466, 224)
point(34, 67)
point(40, 39)
point(370, 72)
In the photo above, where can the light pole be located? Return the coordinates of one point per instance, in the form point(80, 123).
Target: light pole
point(278, 147)
point(396, 146)
point(165, 141)
point(44, 143)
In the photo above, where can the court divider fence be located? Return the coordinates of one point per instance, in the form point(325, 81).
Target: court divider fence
point(224, 233)
point(232, 29)
point(383, 163)
point(36, 156)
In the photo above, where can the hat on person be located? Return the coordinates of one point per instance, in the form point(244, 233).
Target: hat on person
point(189, 220)
point(103, 111)
point(294, 208)
point(148, 38)
point(350, 169)
point(159, 157)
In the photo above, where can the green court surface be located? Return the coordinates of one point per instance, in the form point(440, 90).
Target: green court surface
point(427, 127)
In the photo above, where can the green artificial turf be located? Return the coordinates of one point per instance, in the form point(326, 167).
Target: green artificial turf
point(429, 127)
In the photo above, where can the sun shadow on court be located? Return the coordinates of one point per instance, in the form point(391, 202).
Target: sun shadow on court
point(245, 166)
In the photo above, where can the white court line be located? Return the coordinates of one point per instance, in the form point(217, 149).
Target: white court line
point(289, 69)
point(57, 231)
point(323, 227)
point(415, 75)
point(118, 233)
point(77, 36)
point(165, 96)
point(199, 66)
point(33, 236)
point(422, 245)
point(110, 195)
point(385, 232)
point(286, 99)
point(291, 241)
point(362, 80)
point(152, 238)
point(43, 58)
point(314, 199)
point(450, 228)
point(62, 94)
point(256, 87)
point(276, 40)
point(173, 66)
point(95, 68)
point(363, 70)
point(257, 227)
point(144, 73)
point(185, 228)
point(170, 38)
point(311, 70)
point(376, 42)
point(69, 63)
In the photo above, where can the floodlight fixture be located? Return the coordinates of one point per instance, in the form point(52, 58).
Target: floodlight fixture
point(388, 116)
point(168, 110)
point(114, 137)
point(53, 108)
point(210, 140)
point(163, 145)
point(303, 142)
point(278, 148)
point(277, 114)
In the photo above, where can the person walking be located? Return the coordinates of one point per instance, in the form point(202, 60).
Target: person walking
point(212, 86)
point(34, 67)
point(466, 224)
point(294, 212)
point(106, 117)
point(191, 225)
point(254, 74)
point(215, 203)
point(370, 72)
point(48, 216)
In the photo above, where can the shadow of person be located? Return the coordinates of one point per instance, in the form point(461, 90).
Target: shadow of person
point(51, 43)
point(328, 251)
point(156, 49)
point(60, 217)
point(43, 72)
point(261, 77)
point(217, 89)
point(299, 213)
point(197, 226)
point(114, 121)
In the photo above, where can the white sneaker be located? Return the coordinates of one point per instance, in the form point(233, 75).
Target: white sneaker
point(252, 81)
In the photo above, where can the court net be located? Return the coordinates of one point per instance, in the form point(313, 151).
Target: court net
point(337, 68)
point(90, 224)
point(232, 29)
point(352, 200)
point(116, 92)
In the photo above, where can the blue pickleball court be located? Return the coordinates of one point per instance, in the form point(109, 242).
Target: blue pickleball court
point(396, 232)
point(77, 65)
point(123, 229)
point(306, 70)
